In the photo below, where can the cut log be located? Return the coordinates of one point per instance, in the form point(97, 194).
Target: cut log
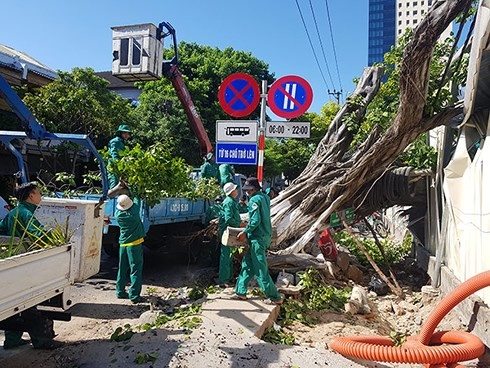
point(229, 237)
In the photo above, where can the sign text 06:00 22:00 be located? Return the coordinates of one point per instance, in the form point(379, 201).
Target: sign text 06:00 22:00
point(278, 129)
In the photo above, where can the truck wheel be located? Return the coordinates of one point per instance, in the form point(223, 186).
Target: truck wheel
point(111, 249)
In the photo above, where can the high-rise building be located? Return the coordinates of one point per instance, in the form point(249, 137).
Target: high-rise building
point(382, 29)
point(388, 20)
point(409, 13)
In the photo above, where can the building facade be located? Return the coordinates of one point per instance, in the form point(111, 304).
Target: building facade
point(382, 29)
point(409, 14)
point(388, 20)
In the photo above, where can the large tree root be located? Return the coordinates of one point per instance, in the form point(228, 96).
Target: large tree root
point(330, 182)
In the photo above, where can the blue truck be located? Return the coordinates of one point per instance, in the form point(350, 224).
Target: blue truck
point(172, 225)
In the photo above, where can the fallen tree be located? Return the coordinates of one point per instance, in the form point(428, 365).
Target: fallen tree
point(335, 177)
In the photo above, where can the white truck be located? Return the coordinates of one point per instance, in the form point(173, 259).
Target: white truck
point(43, 277)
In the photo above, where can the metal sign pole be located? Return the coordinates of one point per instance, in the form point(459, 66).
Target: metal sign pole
point(263, 101)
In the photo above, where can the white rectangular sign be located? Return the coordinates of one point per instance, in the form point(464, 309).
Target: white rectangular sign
point(236, 131)
point(293, 129)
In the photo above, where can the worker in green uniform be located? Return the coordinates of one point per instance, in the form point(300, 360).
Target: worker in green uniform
point(258, 232)
point(21, 222)
point(229, 216)
point(117, 144)
point(242, 204)
point(226, 174)
point(210, 168)
point(213, 210)
point(131, 238)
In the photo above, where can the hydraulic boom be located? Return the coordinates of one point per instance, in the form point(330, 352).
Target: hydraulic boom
point(172, 72)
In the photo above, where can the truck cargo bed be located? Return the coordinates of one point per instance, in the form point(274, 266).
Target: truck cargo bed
point(31, 278)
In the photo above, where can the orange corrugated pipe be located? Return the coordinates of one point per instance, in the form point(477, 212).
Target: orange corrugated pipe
point(426, 347)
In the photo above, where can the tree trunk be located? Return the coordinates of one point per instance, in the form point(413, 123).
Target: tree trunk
point(331, 181)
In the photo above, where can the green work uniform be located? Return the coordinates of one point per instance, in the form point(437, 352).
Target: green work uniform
point(210, 170)
point(259, 234)
point(115, 145)
point(229, 216)
point(226, 174)
point(21, 222)
point(242, 207)
point(130, 251)
point(212, 212)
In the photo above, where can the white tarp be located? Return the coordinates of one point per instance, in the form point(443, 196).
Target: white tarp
point(468, 212)
point(466, 215)
point(454, 181)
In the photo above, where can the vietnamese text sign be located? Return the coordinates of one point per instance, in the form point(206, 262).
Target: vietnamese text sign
point(236, 153)
point(278, 129)
point(236, 131)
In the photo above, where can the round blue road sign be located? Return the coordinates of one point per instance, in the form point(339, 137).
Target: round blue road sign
point(239, 94)
point(290, 96)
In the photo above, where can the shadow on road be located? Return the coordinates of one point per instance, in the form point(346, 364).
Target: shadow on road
point(105, 311)
point(101, 353)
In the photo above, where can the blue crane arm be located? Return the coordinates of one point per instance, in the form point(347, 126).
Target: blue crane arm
point(7, 136)
point(32, 127)
point(35, 130)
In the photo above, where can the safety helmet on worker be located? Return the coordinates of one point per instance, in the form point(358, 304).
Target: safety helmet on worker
point(124, 128)
point(124, 202)
point(228, 188)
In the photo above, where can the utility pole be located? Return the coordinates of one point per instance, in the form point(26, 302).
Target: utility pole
point(337, 94)
point(263, 104)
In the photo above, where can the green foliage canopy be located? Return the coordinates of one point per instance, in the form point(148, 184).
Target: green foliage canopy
point(79, 102)
point(155, 172)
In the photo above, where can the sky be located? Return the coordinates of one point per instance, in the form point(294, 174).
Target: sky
point(67, 34)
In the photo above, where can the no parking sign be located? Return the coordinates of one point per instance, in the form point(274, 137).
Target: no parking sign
point(290, 96)
point(239, 94)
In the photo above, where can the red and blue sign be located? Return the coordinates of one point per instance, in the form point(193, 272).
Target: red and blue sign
point(290, 96)
point(239, 94)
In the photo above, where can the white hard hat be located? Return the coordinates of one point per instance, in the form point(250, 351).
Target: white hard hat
point(228, 188)
point(124, 202)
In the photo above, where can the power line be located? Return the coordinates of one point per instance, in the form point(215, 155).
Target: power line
point(321, 43)
point(311, 45)
point(333, 45)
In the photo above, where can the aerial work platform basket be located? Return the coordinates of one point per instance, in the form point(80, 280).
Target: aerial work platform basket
point(137, 52)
